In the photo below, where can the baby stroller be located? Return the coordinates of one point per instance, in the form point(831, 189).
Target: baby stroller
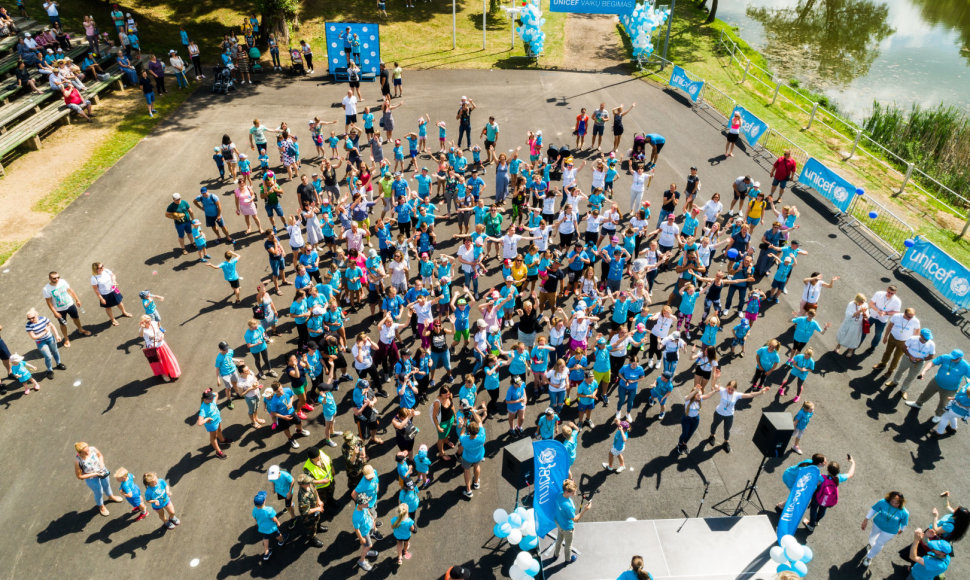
point(637, 155)
point(254, 56)
point(296, 62)
point(222, 81)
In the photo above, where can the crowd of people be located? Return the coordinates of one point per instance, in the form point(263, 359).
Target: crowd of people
point(595, 305)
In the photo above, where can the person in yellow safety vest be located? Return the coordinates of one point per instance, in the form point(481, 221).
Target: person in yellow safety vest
point(319, 467)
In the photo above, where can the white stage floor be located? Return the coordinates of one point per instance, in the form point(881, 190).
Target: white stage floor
point(722, 548)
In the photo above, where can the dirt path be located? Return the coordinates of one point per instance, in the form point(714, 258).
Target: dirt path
point(593, 43)
point(35, 174)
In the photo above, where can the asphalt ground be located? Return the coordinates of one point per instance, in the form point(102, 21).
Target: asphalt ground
point(108, 397)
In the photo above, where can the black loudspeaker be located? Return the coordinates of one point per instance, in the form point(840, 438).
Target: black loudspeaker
point(517, 464)
point(773, 433)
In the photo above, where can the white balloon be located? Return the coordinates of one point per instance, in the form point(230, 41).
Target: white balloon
point(516, 573)
point(795, 552)
point(515, 536)
point(522, 559)
point(788, 540)
point(499, 516)
point(528, 528)
point(778, 555)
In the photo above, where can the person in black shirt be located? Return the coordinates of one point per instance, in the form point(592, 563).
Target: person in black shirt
point(670, 200)
point(690, 192)
point(385, 81)
point(550, 287)
point(23, 78)
point(464, 118)
point(148, 87)
point(306, 191)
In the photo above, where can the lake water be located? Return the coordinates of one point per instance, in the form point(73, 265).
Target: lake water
point(857, 51)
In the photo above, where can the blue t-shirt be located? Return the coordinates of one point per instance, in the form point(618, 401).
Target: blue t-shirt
point(264, 519)
point(888, 518)
point(601, 360)
point(422, 463)
point(619, 443)
point(629, 375)
point(229, 269)
point(393, 305)
point(369, 487)
point(930, 568)
point(402, 529)
point(225, 363)
point(565, 513)
point(547, 426)
point(256, 337)
point(159, 492)
point(804, 361)
point(283, 483)
point(687, 302)
point(363, 521)
point(129, 486)
point(473, 448)
point(805, 328)
point(951, 372)
point(328, 406)
point(574, 373)
point(540, 359)
point(210, 411)
point(802, 417)
point(766, 358)
point(210, 204)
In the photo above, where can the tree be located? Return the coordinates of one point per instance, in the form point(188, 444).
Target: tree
point(713, 14)
point(277, 15)
point(825, 42)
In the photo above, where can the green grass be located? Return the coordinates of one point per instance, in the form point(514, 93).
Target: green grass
point(132, 129)
point(695, 46)
point(7, 249)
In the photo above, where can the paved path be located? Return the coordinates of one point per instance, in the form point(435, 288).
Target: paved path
point(108, 398)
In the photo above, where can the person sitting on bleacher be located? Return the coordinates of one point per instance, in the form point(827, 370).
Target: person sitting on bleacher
point(72, 72)
point(63, 39)
point(77, 103)
point(91, 67)
point(29, 41)
point(128, 69)
point(45, 39)
point(24, 82)
point(7, 26)
point(49, 57)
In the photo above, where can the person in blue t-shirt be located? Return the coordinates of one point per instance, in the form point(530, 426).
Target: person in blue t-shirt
point(766, 359)
point(211, 418)
point(952, 372)
point(889, 518)
point(619, 444)
point(363, 523)
point(131, 492)
point(228, 268)
point(566, 518)
point(805, 327)
point(935, 562)
point(798, 368)
point(636, 571)
point(471, 449)
point(266, 524)
point(402, 526)
point(630, 375)
point(801, 420)
point(158, 494)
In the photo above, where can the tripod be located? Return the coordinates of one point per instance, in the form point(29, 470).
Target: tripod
point(745, 495)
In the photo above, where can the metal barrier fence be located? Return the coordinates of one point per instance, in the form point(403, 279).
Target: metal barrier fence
point(867, 155)
point(887, 227)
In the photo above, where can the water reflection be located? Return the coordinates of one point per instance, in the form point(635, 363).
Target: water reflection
point(825, 42)
point(953, 14)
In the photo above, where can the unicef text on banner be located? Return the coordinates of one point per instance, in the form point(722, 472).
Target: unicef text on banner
point(752, 128)
point(593, 6)
point(799, 497)
point(551, 464)
point(680, 80)
point(828, 183)
point(949, 277)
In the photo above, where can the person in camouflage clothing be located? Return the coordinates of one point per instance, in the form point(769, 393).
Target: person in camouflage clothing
point(355, 457)
point(311, 508)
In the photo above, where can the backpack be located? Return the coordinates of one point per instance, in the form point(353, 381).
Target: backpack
point(827, 494)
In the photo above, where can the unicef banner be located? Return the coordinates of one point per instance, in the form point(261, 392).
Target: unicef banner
point(828, 183)
point(680, 80)
point(593, 6)
point(799, 497)
point(551, 464)
point(949, 277)
point(752, 128)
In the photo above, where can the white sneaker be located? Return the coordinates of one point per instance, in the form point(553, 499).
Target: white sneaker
point(621, 468)
point(365, 565)
point(304, 432)
point(618, 415)
point(294, 444)
point(936, 419)
point(629, 419)
point(650, 364)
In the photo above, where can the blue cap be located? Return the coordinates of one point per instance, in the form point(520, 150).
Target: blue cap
point(260, 498)
point(956, 353)
point(204, 189)
point(926, 333)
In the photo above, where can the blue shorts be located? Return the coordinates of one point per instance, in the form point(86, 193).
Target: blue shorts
point(586, 406)
point(183, 229)
point(150, 98)
point(211, 221)
point(737, 341)
point(160, 506)
point(778, 284)
point(753, 221)
point(270, 208)
point(440, 360)
point(397, 82)
point(780, 182)
point(134, 501)
point(278, 265)
point(514, 407)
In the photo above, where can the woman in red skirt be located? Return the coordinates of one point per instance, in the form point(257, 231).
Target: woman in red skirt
point(159, 355)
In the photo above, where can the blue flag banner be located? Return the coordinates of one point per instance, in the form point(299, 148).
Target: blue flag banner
point(593, 6)
point(752, 128)
point(551, 463)
point(949, 277)
point(798, 499)
point(828, 183)
point(680, 80)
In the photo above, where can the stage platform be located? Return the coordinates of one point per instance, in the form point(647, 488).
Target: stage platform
point(709, 548)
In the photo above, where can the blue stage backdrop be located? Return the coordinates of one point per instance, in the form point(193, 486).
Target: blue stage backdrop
point(370, 46)
point(593, 6)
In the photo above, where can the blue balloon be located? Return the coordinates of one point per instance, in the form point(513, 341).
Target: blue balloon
point(515, 520)
point(801, 569)
point(533, 569)
point(529, 542)
point(873, 215)
point(909, 243)
point(732, 254)
point(784, 568)
point(859, 191)
point(502, 530)
point(807, 555)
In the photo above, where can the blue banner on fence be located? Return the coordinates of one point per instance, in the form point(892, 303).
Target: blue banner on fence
point(679, 79)
point(593, 6)
point(830, 184)
point(752, 128)
point(365, 49)
point(798, 499)
point(551, 464)
point(948, 276)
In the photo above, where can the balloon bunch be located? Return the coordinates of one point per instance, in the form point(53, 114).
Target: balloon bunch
point(791, 556)
point(640, 24)
point(519, 529)
point(531, 30)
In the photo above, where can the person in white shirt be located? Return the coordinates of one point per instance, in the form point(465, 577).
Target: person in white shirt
point(712, 210)
point(901, 327)
point(919, 349)
point(669, 234)
point(882, 307)
point(52, 14)
point(350, 110)
point(510, 243)
point(636, 188)
point(468, 262)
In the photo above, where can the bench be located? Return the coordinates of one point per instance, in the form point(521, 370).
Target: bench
point(9, 88)
point(29, 130)
point(12, 40)
point(17, 109)
point(9, 62)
